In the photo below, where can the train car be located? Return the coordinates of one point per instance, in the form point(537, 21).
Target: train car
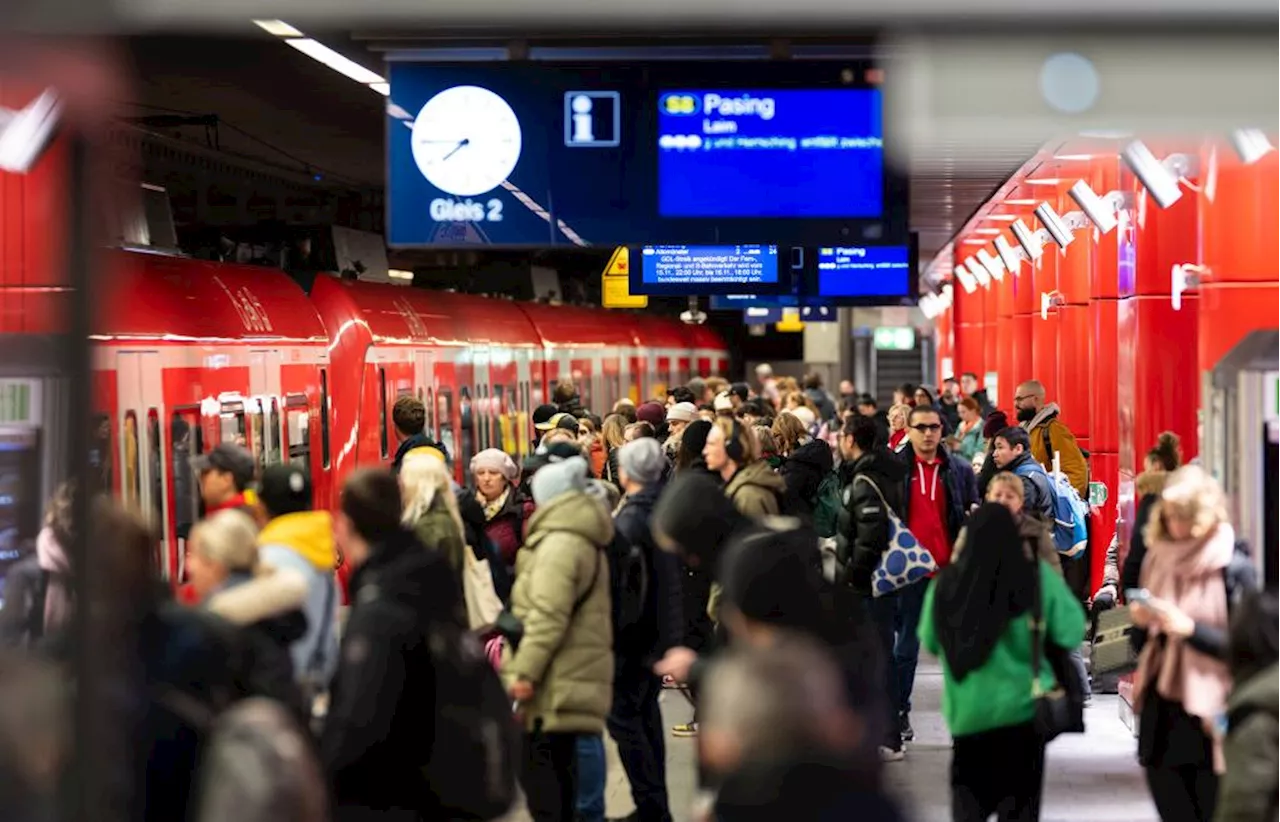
point(190, 354)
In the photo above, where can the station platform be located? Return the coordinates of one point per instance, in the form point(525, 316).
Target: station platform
point(1092, 776)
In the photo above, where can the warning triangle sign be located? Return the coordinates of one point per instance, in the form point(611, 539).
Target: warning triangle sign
point(615, 282)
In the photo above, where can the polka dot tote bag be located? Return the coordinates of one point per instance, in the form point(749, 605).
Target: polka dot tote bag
point(905, 560)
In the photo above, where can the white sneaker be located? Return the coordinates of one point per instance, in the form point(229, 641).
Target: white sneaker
point(888, 754)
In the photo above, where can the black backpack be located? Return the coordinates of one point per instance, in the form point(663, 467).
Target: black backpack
point(628, 584)
point(472, 768)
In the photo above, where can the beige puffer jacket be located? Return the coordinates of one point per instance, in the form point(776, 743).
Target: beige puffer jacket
point(567, 656)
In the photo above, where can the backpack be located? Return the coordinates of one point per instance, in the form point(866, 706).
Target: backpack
point(1070, 536)
point(628, 584)
point(471, 770)
point(827, 505)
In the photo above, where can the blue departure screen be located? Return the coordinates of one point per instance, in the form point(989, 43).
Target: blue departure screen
point(694, 268)
point(770, 153)
point(864, 271)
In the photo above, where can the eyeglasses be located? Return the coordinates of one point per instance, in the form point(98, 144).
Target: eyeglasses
point(927, 428)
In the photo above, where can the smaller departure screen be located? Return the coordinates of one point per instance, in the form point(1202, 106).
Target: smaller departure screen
point(705, 269)
point(864, 271)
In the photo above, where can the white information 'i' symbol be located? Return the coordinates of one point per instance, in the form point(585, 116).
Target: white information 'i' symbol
point(583, 132)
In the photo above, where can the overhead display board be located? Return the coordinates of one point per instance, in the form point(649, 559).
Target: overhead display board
point(696, 270)
point(706, 153)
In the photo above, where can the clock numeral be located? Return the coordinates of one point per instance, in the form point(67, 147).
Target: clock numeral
point(495, 211)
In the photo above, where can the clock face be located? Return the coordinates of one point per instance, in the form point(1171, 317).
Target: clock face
point(466, 140)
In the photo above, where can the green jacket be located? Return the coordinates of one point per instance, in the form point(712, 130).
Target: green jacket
point(438, 532)
point(998, 695)
point(756, 490)
point(1248, 791)
point(567, 656)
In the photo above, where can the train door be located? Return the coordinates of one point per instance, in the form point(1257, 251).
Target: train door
point(582, 373)
point(524, 400)
point(482, 416)
point(142, 450)
point(637, 378)
point(264, 425)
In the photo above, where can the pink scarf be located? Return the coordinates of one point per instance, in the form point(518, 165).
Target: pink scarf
point(57, 600)
point(1188, 573)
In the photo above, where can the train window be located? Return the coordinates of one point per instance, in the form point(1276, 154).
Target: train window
point(444, 413)
point(258, 442)
point(100, 456)
point(132, 479)
point(185, 442)
point(298, 431)
point(231, 421)
point(486, 417)
point(156, 462)
point(467, 433)
point(273, 436)
point(501, 419)
point(382, 411)
point(431, 412)
point(324, 418)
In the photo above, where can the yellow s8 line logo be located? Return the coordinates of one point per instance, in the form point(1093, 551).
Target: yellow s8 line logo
point(679, 104)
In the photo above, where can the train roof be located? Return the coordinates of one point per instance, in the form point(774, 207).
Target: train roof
point(177, 299)
point(571, 326)
point(399, 314)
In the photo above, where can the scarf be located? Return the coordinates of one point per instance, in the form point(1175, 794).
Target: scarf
point(1188, 574)
point(57, 600)
point(492, 509)
point(980, 592)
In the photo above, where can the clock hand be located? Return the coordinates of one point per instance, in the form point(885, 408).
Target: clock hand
point(464, 142)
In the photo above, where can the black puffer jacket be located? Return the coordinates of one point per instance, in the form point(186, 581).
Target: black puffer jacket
point(803, 472)
point(663, 624)
point(381, 718)
point(864, 524)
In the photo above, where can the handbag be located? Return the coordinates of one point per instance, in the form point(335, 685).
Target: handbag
point(1061, 709)
point(483, 603)
point(905, 560)
point(1112, 649)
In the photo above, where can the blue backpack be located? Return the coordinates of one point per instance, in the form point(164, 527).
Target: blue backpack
point(1070, 536)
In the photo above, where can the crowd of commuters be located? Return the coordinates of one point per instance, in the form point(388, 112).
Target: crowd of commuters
point(778, 554)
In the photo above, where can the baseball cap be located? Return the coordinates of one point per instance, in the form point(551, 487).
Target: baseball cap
point(229, 458)
point(563, 420)
point(285, 489)
point(723, 403)
point(542, 416)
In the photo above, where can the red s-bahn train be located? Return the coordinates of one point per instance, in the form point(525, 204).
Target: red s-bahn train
point(190, 353)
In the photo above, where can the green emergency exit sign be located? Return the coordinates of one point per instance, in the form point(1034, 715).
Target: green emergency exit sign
point(889, 338)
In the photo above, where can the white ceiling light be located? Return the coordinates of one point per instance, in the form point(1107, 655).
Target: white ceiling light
point(1159, 177)
point(25, 134)
point(1031, 242)
point(1009, 255)
point(972, 241)
point(1055, 225)
point(987, 231)
point(399, 274)
point(979, 273)
point(1251, 144)
point(279, 28)
point(992, 264)
point(345, 66)
point(1020, 202)
point(1043, 181)
point(967, 281)
point(1000, 218)
point(1100, 210)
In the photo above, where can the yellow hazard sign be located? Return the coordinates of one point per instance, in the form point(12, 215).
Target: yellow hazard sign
point(615, 283)
point(790, 320)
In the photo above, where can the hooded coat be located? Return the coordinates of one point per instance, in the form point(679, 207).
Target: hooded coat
point(1046, 426)
point(864, 524)
point(756, 490)
point(303, 543)
point(561, 597)
point(802, 473)
point(1248, 790)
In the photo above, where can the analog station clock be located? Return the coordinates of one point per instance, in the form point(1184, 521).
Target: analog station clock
point(466, 140)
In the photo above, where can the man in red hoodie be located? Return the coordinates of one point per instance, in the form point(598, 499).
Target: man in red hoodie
point(939, 493)
point(225, 473)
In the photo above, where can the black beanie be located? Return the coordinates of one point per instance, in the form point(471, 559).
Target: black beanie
point(772, 574)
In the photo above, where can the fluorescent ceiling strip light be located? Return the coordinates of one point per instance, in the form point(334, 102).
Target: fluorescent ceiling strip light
point(278, 28)
point(988, 231)
point(1043, 181)
point(382, 88)
point(323, 54)
point(1000, 218)
point(1022, 202)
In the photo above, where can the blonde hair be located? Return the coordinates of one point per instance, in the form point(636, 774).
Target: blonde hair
point(614, 430)
point(1011, 481)
point(423, 480)
point(768, 445)
point(1190, 493)
point(750, 446)
point(904, 410)
point(789, 430)
point(228, 538)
